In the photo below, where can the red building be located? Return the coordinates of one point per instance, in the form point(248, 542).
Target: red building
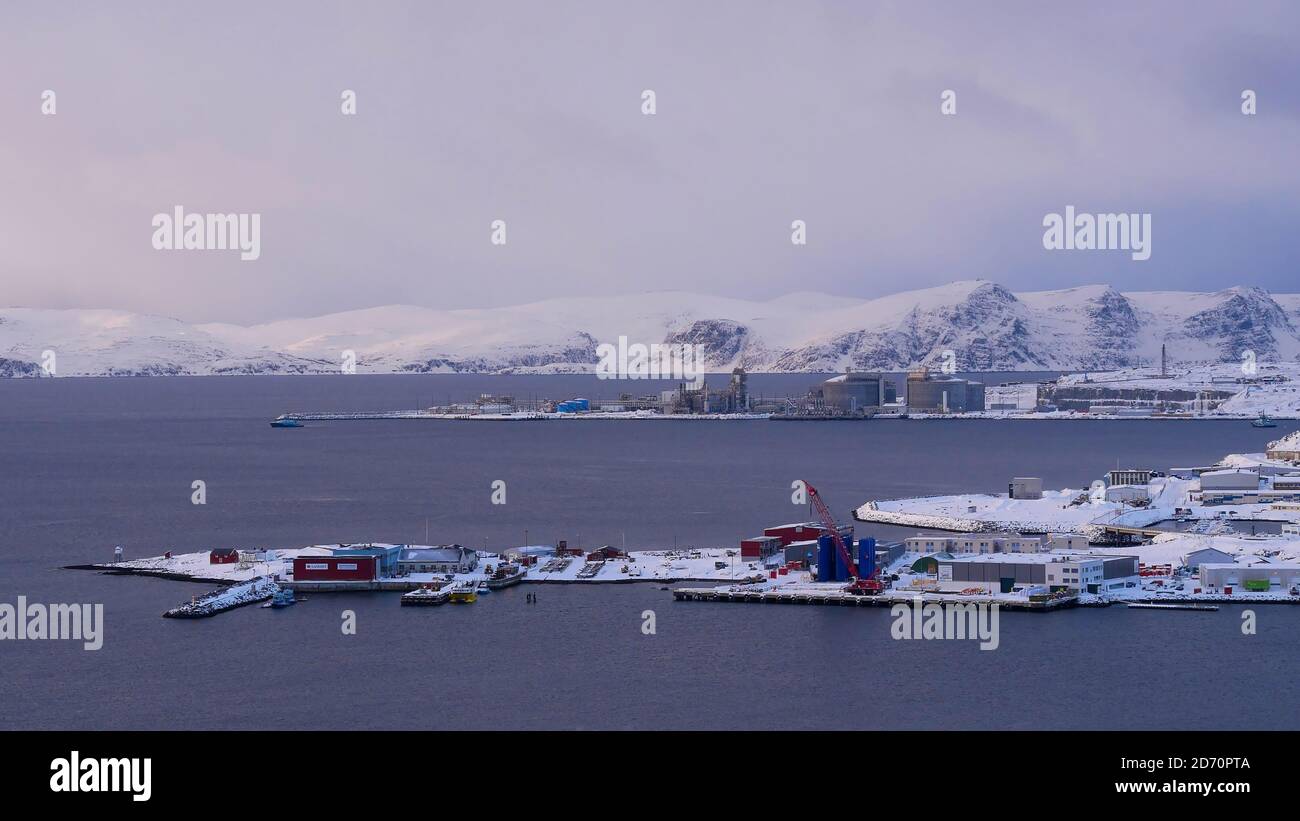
point(759, 547)
point(804, 531)
point(333, 568)
point(605, 553)
point(223, 555)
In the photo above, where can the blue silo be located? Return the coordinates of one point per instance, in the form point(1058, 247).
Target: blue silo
point(866, 558)
point(825, 559)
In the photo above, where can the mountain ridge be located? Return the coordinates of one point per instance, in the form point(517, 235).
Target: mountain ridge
point(986, 326)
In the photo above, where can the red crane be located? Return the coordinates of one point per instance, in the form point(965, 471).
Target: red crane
point(857, 586)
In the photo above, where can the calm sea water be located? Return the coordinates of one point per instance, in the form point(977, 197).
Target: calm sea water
point(89, 463)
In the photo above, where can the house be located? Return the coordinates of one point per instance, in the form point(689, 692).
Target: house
point(223, 555)
point(605, 553)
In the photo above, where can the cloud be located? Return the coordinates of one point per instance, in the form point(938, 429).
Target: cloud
point(531, 113)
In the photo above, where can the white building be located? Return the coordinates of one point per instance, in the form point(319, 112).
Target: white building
point(1281, 577)
point(1127, 493)
point(1230, 479)
point(1092, 573)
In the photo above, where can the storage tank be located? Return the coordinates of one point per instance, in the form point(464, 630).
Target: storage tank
point(866, 558)
point(825, 561)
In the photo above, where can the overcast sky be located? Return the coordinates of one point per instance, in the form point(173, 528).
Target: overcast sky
point(530, 112)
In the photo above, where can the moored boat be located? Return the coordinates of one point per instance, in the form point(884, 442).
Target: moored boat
point(1263, 421)
point(505, 576)
point(463, 593)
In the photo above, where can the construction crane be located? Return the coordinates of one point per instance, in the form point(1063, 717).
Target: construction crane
point(859, 587)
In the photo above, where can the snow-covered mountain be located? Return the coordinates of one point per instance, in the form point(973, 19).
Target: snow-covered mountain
point(986, 326)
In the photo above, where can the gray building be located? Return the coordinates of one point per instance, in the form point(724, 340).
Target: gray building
point(444, 559)
point(1207, 555)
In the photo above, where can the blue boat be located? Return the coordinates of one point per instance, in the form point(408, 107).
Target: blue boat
point(283, 597)
point(1263, 422)
point(283, 421)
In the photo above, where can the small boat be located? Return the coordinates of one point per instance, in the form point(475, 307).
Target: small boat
point(463, 593)
point(1263, 422)
point(283, 597)
point(283, 421)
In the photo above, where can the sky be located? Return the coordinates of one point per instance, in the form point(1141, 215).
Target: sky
point(532, 113)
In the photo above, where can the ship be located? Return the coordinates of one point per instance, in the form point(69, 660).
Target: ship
point(283, 597)
point(1263, 421)
point(283, 421)
point(463, 593)
point(505, 576)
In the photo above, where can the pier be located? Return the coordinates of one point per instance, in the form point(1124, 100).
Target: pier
point(843, 599)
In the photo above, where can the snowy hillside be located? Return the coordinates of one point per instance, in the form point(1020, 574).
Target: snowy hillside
point(986, 327)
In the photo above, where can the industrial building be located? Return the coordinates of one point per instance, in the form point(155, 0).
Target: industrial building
point(385, 555)
point(443, 559)
point(1278, 577)
point(1128, 476)
point(1025, 487)
point(1127, 493)
point(943, 394)
point(1230, 479)
point(334, 568)
point(804, 531)
point(1055, 571)
point(760, 547)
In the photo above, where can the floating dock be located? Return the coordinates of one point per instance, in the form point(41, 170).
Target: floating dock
point(778, 595)
point(1189, 606)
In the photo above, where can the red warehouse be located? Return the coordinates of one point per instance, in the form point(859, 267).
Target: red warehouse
point(223, 555)
point(804, 531)
point(759, 547)
point(333, 568)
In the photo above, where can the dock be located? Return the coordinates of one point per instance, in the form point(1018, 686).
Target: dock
point(1153, 606)
point(776, 595)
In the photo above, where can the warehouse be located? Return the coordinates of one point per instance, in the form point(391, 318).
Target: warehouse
point(385, 555)
point(1206, 555)
point(1277, 577)
point(1057, 571)
point(804, 531)
point(334, 568)
point(1025, 487)
point(1230, 479)
point(759, 547)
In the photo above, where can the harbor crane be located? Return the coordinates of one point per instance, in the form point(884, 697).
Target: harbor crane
point(858, 587)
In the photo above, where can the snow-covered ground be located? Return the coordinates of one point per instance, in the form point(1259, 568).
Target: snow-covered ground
point(641, 565)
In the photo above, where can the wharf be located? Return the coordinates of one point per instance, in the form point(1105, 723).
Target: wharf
point(777, 595)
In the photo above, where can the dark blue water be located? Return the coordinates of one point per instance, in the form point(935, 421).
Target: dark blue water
point(87, 464)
